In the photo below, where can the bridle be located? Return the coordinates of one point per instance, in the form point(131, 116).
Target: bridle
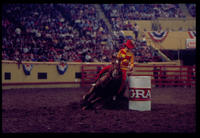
point(115, 72)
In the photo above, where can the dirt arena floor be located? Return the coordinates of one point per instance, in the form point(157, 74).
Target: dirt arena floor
point(58, 111)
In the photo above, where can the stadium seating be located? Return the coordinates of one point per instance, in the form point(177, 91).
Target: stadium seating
point(75, 32)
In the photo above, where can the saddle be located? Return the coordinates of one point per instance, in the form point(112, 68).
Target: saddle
point(114, 73)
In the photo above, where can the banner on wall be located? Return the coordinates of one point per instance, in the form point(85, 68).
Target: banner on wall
point(62, 67)
point(158, 36)
point(190, 43)
point(27, 68)
point(192, 34)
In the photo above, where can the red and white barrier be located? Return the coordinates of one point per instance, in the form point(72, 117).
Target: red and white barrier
point(139, 93)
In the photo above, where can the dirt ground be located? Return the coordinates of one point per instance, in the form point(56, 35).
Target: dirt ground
point(58, 111)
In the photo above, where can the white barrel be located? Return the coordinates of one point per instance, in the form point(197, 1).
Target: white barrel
point(139, 93)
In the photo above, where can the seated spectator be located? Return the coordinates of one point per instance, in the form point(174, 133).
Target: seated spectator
point(191, 9)
point(52, 32)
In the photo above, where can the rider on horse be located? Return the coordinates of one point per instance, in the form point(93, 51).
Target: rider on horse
point(126, 59)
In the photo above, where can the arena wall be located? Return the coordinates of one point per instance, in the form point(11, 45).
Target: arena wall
point(71, 78)
point(54, 79)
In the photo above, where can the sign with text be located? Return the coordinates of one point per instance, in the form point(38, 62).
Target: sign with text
point(190, 43)
point(140, 94)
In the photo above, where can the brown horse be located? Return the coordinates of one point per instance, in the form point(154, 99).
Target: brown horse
point(105, 87)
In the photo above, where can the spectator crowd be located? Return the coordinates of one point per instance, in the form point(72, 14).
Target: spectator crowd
point(119, 14)
point(40, 32)
point(74, 32)
point(192, 9)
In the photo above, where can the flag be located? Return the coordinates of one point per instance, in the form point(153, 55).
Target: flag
point(158, 36)
point(192, 34)
point(62, 67)
point(27, 68)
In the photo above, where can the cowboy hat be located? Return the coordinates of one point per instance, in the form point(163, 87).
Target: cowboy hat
point(129, 44)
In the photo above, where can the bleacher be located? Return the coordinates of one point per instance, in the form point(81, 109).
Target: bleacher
point(75, 32)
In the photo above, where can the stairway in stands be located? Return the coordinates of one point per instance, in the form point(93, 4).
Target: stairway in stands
point(157, 47)
point(102, 16)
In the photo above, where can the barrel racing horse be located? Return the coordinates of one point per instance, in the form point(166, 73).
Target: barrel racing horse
point(105, 87)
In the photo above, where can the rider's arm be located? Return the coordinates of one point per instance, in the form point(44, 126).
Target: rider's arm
point(132, 62)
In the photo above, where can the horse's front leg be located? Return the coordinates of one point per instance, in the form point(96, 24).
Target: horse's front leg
point(95, 100)
point(92, 102)
point(91, 90)
point(98, 83)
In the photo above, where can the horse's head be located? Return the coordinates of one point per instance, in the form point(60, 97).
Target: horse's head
point(116, 71)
